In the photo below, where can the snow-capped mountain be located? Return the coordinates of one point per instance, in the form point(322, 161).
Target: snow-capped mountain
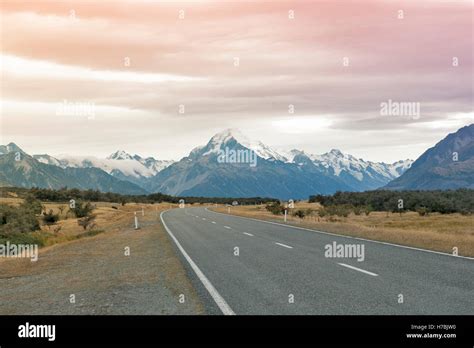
point(278, 174)
point(222, 139)
point(120, 155)
point(119, 164)
point(43, 171)
point(356, 172)
point(269, 173)
point(202, 173)
point(363, 175)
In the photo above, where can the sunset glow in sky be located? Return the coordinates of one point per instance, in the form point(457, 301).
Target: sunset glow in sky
point(163, 77)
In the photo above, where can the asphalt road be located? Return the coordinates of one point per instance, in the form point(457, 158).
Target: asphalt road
point(283, 270)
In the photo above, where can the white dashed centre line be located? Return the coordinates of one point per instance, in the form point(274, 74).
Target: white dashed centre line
point(358, 269)
point(227, 227)
point(203, 219)
point(284, 245)
point(248, 234)
point(213, 222)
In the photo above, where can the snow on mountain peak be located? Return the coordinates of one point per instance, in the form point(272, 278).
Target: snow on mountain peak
point(120, 155)
point(220, 140)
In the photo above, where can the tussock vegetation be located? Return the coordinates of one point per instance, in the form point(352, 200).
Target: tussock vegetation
point(28, 221)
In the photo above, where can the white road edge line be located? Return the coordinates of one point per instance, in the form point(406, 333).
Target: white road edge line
point(218, 299)
point(349, 237)
point(358, 269)
point(284, 245)
point(248, 234)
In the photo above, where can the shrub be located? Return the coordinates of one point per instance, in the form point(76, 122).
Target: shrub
point(50, 218)
point(31, 203)
point(20, 219)
point(422, 211)
point(322, 212)
point(300, 213)
point(82, 210)
point(342, 210)
point(275, 208)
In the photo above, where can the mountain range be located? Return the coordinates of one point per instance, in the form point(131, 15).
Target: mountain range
point(277, 174)
point(213, 170)
point(19, 169)
point(447, 165)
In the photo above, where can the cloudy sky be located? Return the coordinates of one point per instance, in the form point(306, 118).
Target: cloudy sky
point(159, 78)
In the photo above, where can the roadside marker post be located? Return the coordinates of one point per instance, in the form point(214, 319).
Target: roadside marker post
point(286, 211)
point(136, 220)
point(143, 212)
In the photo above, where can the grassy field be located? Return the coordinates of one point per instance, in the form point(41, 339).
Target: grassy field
point(67, 228)
point(434, 232)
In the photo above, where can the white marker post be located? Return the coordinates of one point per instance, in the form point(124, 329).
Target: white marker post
point(143, 212)
point(136, 220)
point(285, 214)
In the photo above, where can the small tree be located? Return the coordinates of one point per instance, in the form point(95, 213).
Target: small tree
point(61, 209)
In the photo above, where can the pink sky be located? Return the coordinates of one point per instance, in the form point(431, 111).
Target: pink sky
point(76, 51)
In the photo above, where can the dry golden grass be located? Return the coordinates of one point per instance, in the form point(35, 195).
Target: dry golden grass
point(434, 232)
point(108, 219)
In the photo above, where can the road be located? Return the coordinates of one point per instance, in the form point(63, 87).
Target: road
point(244, 266)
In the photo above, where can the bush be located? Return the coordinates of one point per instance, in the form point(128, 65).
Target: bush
point(275, 208)
point(322, 212)
point(21, 238)
point(82, 210)
point(342, 210)
point(20, 219)
point(50, 218)
point(299, 213)
point(422, 211)
point(31, 203)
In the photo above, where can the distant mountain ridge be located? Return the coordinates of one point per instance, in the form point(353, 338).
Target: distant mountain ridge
point(25, 171)
point(447, 165)
point(278, 174)
point(120, 164)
